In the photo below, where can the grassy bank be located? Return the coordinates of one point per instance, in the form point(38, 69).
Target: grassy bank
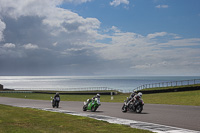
point(18, 120)
point(171, 87)
point(174, 98)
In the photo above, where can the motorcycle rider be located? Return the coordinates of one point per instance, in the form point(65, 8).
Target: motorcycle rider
point(132, 95)
point(89, 100)
point(56, 97)
point(138, 96)
point(134, 104)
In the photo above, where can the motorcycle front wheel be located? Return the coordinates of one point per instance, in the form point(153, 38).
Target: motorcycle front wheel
point(124, 109)
point(57, 104)
point(84, 107)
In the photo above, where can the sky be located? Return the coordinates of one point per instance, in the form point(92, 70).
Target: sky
point(99, 38)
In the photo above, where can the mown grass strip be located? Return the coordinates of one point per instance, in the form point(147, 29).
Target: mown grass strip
point(26, 120)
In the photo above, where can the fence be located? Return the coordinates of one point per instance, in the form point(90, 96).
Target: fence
point(169, 84)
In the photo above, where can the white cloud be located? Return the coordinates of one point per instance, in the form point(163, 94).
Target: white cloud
point(118, 2)
point(182, 42)
point(162, 6)
point(157, 34)
point(55, 44)
point(30, 46)
point(77, 1)
point(58, 19)
point(115, 29)
point(15, 9)
point(147, 54)
point(143, 66)
point(9, 45)
point(2, 28)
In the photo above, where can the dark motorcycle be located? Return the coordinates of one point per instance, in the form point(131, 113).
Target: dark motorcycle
point(133, 105)
point(55, 102)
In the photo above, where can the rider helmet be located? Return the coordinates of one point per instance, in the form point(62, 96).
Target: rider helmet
point(140, 94)
point(98, 95)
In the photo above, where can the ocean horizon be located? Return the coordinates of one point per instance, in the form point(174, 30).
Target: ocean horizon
point(68, 83)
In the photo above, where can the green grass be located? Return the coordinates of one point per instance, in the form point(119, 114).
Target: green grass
point(171, 87)
point(176, 98)
point(26, 120)
point(104, 98)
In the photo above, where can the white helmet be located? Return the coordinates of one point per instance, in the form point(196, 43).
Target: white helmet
point(140, 94)
point(98, 95)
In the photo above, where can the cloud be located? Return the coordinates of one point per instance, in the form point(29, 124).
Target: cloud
point(118, 2)
point(162, 6)
point(77, 1)
point(55, 44)
point(9, 45)
point(58, 19)
point(48, 39)
point(2, 28)
point(182, 43)
point(41, 38)
point(146, 54)
point(30, 46)
point(157, 34)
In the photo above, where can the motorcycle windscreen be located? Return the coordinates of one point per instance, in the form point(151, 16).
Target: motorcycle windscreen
point(98, 100)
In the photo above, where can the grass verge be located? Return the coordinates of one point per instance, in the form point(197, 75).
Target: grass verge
point(18, 120)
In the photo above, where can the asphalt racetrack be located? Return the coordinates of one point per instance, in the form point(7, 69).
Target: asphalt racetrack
point(187, 117)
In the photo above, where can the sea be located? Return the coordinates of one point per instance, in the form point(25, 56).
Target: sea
point(77, 83)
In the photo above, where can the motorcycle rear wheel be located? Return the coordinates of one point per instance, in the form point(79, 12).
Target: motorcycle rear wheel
point(139, 109)
point(93, 109)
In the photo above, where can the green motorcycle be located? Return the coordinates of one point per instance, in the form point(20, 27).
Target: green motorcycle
point(92, 105)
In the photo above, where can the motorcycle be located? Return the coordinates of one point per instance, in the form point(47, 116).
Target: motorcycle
point(55, 102)
point(92, 105)
point(133, 105)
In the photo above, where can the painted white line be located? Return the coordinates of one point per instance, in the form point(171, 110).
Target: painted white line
point(157, 128)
